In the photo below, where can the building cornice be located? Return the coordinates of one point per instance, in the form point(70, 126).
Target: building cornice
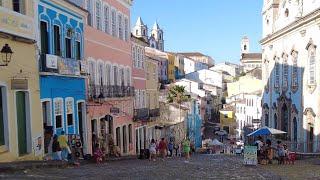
point(294, 25)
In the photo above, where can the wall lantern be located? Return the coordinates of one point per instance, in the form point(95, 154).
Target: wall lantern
point(6, 54)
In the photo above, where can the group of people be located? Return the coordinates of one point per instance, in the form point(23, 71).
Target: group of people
point(164, 148)
point(265, 151)
point(60, 147)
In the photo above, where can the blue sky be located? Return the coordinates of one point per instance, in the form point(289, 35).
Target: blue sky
point(213, 27)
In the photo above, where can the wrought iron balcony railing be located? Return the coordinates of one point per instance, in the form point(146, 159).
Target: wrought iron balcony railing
point(154, 112)
point(141, 114)
point(110, 91)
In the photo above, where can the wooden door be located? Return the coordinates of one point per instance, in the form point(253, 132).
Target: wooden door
point(21, 122)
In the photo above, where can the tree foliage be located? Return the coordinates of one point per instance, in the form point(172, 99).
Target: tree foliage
point(177, 94)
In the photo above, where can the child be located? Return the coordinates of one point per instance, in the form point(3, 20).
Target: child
point(153, 151)
point(98, 154)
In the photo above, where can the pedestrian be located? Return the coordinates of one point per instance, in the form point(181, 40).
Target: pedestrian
point(280, 152)
point(186, 149)
point(56, 150)
point(63, 142)
point(98, 154)
point(163, 148)
point(259, 143)
point(153, 150)
point(176, 148)
point(170, 148)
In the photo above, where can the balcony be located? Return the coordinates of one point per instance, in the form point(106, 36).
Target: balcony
point(64, 66)
point(141, 114)
point(110, 91)
point(154, 112)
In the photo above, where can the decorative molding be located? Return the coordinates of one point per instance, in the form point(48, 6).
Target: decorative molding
point(303, 33)
point(310, 111)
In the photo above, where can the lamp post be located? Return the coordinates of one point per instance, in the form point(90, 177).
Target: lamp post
point(6, 54)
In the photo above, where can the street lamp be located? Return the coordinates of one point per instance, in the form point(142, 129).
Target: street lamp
point(6, 54)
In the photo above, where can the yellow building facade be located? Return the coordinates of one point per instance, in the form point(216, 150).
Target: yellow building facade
point(228, 121)
point(152, 84)
point(171, 62)
point(245, 84)
point(21, 127)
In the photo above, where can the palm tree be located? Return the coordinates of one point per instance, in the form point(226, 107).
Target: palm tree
point(178, 95)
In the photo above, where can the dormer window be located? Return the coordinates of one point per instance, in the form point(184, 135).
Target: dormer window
point(286, 13)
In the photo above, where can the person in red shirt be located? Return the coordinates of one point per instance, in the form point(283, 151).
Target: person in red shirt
point(163, 148)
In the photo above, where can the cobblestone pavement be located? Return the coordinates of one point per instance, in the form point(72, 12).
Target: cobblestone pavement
point(302, 169)
point(199, 167)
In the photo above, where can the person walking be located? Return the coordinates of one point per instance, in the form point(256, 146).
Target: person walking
point(63, 142)
point(186, 149)
point(163, 148)
point(153, 150)
point(170, 148)
point(56, 150)
point(176, 148)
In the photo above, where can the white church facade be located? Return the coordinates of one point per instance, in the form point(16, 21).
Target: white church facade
point(155, 38)
point(291, 71)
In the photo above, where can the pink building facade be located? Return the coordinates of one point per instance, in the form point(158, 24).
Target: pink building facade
point(110, 89)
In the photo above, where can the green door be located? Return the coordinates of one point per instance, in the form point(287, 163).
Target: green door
point(21, 122)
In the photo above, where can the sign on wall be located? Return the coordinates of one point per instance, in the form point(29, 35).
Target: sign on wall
point(37, 145)
point(17, 24)
point(68, 66)
point(51, 61)
point(19, 84)
point(250, 155)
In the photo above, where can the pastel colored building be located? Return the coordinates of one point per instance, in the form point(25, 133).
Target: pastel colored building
point(21, 128)
point(140, 76)
point(194, 123)
point(290, 70)
point(191, 65)
point(171, 67)
point(179, 66)
point(110, 88)
point(62, 74)
point(227, 120)
point(199, 57)
point(162, 59)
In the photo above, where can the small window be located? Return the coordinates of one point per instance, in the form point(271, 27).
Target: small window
point(78, 50)
point(18, 6)
point(70, 119)
point(44, 38)
point(98, 15)
point(137, 32)
point(56, 39)
point(59, 121)
point(68, 47)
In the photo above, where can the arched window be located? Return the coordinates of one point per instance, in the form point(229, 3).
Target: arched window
point(121, 73)
point(294, 78)
point(295, 129)
point(284, 118)
point(101, 74)
point(115, 75)
point(275, 119)
point(277, 73)
point(312, 64)
point(108, 74)
point(128, 77)
point(92, 72)
point(285, 70)
point(286, 12)
point(266, 119)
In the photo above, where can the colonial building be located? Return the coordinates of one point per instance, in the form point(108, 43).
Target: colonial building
point(199, 57)
point(162, 59)
point(110, 88)
point(62, 74)
point(249, 60)
point(290, 70)
point(191, 65)
point(141, 112)
point(21, 127)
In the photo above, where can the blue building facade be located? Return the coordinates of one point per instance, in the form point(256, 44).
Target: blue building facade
point(194, 123)
point(61, 65)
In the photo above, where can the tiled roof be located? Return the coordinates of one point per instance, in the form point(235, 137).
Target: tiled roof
point(192, 54)
point(251, 56)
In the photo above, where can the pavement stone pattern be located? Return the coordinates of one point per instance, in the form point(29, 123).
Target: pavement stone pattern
point(199, 167)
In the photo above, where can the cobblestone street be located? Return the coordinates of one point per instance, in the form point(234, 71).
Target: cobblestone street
point(200, 167)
